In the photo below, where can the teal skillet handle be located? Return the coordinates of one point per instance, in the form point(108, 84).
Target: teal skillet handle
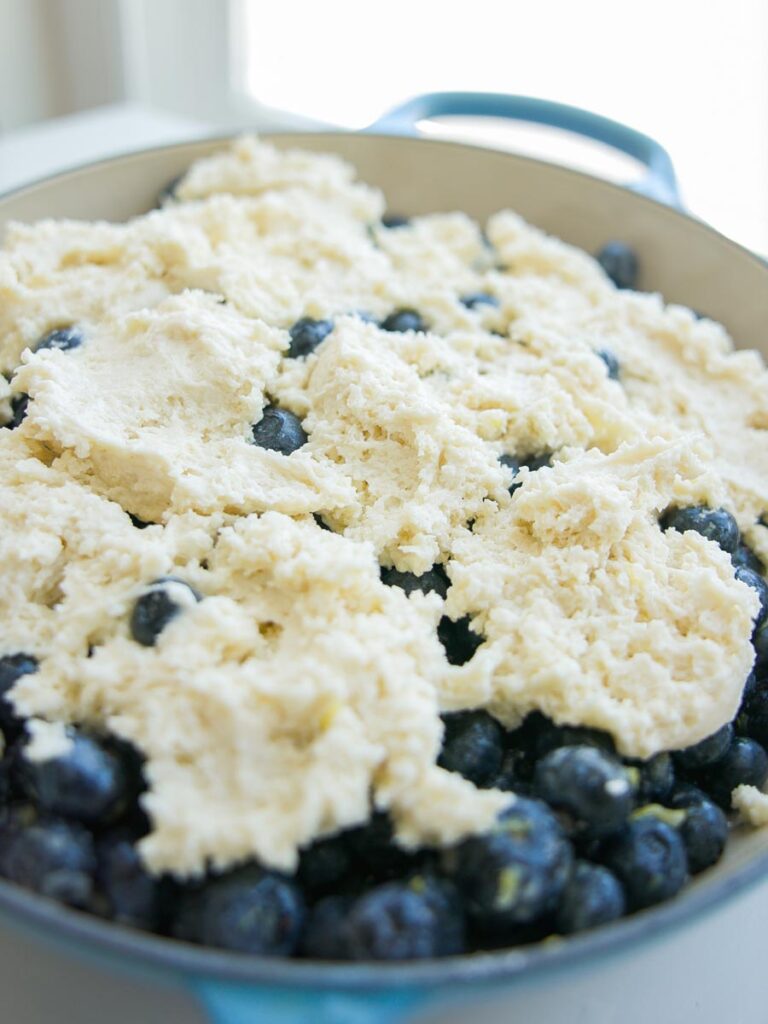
point(230, 1003)
point(660, 181)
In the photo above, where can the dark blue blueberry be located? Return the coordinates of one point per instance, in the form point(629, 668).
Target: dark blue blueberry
point(745, 763)
point(478, 299)
point(752, 719)
point(325, 935)
point(55, 858)
point(403, 320)
point(374, 851)
point(510, 462)
point(515, 772)
point(306, 334)
point(458, 638)
point(704, 830)
point(444, 899)
point(473, 746)
point(707, 750)
point(167, 193)
point(760, 643)
point(514, 874)
point(279, 430)
point(19, 405)
point(611, 362)
point(63, 339)
point(133, 896)
point(161, 603)
point(88, 782)
point(434, 580)
point(648, 857)
point(758, 584)
point(620, 263)
point(532, 462)
point(713, 523)
point(139, 523)
point(393, 922)
point(591, 785)
point(592, 896)
point(746, 558)
point(655, 778)
point(12, 667)
point(247, 910)
point(324, 864)
point(395, 220)
point(542, 735)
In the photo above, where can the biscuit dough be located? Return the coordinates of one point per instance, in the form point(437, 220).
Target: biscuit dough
point(301, 691)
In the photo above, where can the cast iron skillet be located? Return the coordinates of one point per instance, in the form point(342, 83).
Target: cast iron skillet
point(682, 258)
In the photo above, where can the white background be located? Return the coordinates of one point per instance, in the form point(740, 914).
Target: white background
point(693, 75)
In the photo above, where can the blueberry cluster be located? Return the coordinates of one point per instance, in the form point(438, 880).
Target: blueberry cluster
point(589, 837)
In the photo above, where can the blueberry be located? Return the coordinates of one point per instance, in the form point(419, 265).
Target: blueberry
point(458, 638)
point(476, 299)
point(395, 220)
point(534, 462)
point(167, 193)
point(704, 830)
point(760, 643)
point(510, 462)
point(12, 667)
point(713, 523)
point(374, 851)
point(648, 856)
point(543, 736)
point(279, 430)
point(473, 746)
point(324, 935)
point(432, 580)
point(758, 584)
point(157, 606)
point(403, 320)
point(133, 896)
point(63, 339)
point(514, 774)
point(656, 778)
point(444, 899)
point(620, 263)
point(745, 763)
point(746, 558)
point(248, 910)
point(55, 858)
point(591, 785)
point(514, 874)
point(611, 362)
point(306, 334)
point(324, 864)
point(592, 896)
point(19, 404)
point(752, 720)
point(707, 750)
point(87, 782)
point(392, 922)
point(140, 524)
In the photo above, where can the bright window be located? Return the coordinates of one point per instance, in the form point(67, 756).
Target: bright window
point(693, 75)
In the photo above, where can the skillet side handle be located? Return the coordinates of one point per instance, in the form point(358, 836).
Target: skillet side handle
point(660, 182)
point(230, 1003)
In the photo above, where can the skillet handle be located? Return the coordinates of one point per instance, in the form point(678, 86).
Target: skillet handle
point(230, 1003)
point(659, 183)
